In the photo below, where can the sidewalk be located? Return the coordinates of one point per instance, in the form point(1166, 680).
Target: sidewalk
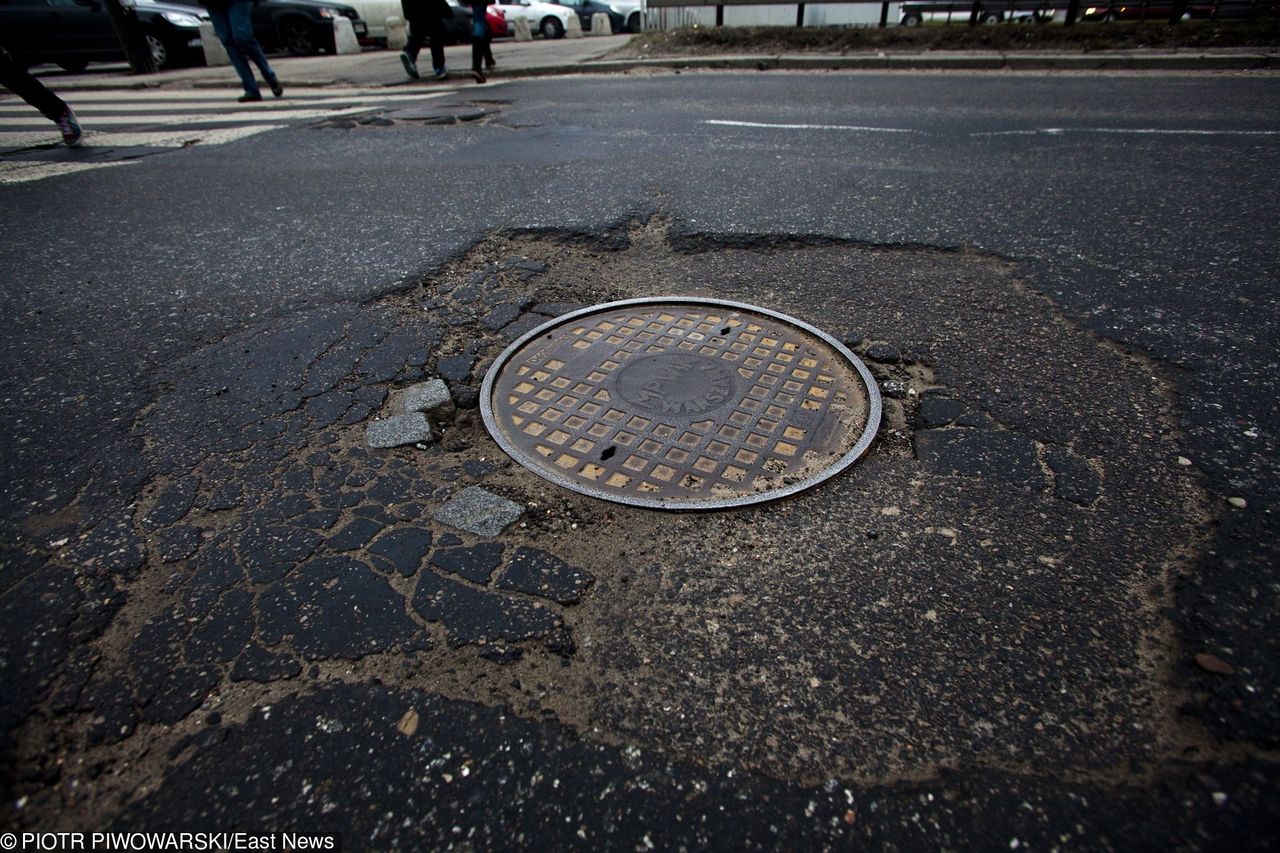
point(586, 55)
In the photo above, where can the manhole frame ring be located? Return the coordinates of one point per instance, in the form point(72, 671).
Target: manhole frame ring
point(874, 409)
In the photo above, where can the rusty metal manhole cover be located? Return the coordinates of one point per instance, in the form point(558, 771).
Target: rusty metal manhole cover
point(681, 403)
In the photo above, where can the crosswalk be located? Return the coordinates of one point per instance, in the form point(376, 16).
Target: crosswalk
point(122, 126)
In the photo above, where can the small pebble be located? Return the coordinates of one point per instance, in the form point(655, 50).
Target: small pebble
point(1238, 503)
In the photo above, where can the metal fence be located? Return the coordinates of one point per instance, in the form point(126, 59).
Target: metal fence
point(673, 14)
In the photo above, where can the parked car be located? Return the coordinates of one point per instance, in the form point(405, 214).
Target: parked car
point(989, 12)
point(550, 19)
point(301, 27)
point(584, 9)
point(73, 34)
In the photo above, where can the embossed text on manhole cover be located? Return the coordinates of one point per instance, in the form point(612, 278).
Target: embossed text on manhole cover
point(681, 403)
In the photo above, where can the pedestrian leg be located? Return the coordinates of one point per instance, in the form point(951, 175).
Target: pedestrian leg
point(240, 15)
point(16, 78)
point(221, 20)
point(479, 38)
point(437, 48)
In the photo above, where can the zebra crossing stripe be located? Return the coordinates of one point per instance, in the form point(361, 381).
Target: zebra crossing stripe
point(22, 171)
point(11, 140)
point(13, 107)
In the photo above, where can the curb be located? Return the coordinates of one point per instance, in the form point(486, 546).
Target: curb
point(860, 62)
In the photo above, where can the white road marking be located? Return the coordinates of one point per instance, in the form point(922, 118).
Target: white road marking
point(228, 95)
point(10, 140)
point(204, 118)
point(811, 126)
point(206, 104)
point(21, 171)
point(1045, 131)
point(1135, 131)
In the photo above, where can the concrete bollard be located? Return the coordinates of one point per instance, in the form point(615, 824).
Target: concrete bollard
point(344, 37)
point(520, 29)
point(575, 28)
point(214, 52)
point(600, 25)
point(397, 33)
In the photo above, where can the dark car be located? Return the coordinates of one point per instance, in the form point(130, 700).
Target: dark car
point(584, 9)
point(302, 27)
point(73, 34)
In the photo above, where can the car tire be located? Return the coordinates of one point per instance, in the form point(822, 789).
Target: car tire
point(633, 22)
point(990, 18)
point(298, 37)
point(551, 28)
point(74, 66)
point(160, 52)
point(912, 20)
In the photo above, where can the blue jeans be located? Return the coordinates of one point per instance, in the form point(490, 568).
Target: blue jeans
point(234, 27)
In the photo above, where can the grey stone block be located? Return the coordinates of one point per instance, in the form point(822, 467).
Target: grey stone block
point(479, 512)
point(398, 430)
point(429, 397)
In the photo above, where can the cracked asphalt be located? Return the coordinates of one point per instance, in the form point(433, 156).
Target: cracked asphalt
point(1041, 611)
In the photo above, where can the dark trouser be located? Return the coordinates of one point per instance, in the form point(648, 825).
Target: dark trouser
point(480, 51)
point(233, 23)
point(429, 30)
point(13, 76)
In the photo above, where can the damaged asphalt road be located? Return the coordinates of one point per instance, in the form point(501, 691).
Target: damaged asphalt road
point(1029, 616)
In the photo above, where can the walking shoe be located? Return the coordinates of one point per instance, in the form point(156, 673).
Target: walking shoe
point(489, 65)
point(276, 88)
point(70, 127)
point(442, 73)
point(479, 75)
point(247, 97)
point(410, 67)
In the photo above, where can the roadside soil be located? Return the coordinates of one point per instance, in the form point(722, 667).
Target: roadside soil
point(1082, 38)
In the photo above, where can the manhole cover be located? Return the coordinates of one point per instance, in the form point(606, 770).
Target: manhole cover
point(681, 403)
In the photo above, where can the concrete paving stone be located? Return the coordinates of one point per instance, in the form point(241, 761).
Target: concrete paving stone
point(479, 512)
point(398, 430)
point(472, 615)
point(476, 564)
point(258, 664)
point(354, 535)
point(334, 607)
point(404, 548)
point(428, 397)
point(544, 574)
point(989, 454)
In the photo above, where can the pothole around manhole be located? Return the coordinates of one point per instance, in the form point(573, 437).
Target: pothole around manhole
point(681, 403)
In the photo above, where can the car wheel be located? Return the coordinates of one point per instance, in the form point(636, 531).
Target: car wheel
point(551, 28)
point(990, 18)
point(633, 22)
point(912, 20)
point(160, 53)
point(298, 38)
point(74, 66)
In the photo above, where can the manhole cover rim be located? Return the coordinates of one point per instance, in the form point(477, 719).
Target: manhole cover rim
point(874, 408)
